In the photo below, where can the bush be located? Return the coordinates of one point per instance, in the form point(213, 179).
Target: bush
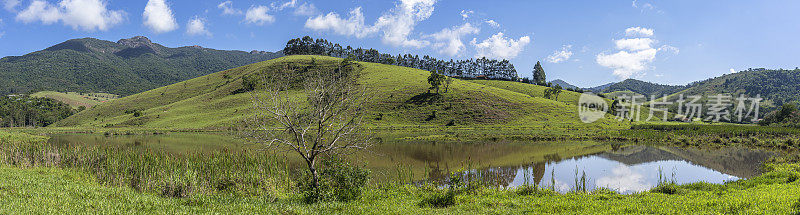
point(666, 188)
point(439, 199)
point(338, 181)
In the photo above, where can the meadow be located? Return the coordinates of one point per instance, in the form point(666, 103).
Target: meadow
point(116, 180)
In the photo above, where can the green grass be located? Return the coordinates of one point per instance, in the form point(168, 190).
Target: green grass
point(32, 189)
point(400, 101)
point(76, 100)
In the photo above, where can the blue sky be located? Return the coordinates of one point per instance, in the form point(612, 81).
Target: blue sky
point(586, 43)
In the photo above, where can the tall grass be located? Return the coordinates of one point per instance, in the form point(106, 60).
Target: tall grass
point(242, 172)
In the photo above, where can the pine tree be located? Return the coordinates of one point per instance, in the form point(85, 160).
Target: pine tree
point(538, 74)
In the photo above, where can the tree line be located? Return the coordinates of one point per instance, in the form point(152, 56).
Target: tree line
point(471, 68)
point(26, 111)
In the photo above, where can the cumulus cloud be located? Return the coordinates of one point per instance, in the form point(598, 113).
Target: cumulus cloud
point(465, 14)
point(639, 31)
point(10, 5)
point(449, 39)
point(158, 17)
point(635, 54)
point(560, 56)
point(624, 179)
point(87, 15)
point(352, 26)
point(493, 23)
point(197, 26)
point(258, 15)
point(396, 25)
point(227, 8)
point(305, 9)
point(289, 4)
point(733, 70)
point(500, 47)
point(634, 44)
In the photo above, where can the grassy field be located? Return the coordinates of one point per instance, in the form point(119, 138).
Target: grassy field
point(76, 100)
point(400, 100)
point(32, 189)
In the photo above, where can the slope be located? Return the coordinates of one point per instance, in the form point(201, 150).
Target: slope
point(399, 93)
point(126, 67)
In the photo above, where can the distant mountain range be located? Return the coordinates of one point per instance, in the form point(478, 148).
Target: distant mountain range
point(126, 67)
point(563, 84)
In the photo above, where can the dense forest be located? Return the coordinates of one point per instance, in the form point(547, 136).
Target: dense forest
point(776, 86)
point(477, 68)
point(126, 67)
point(25, 111)
point(642, 87)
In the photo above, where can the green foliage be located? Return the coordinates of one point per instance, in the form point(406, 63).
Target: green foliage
point(647, 89)
point(436, 80)
point(439, 199)
point(539, 77)
point(22, 111)
point(127, 67)
point(552, 92)
point(339, 181)
point(787, 115)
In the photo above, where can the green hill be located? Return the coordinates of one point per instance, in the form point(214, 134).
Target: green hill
point(126, 67)
point(212, 101)
point(76, 99)
point(776, 87)
point(644, 88)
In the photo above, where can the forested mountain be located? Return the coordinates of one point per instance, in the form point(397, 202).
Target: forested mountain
point(601, 88)
point(776, 87)
point(126, 67)
point(644, 88)
point(563, 84)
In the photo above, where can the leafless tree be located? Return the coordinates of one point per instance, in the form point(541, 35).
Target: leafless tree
point(313, 110)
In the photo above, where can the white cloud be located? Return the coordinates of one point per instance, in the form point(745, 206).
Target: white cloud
point(11, 5)
point(465, 14)
point(627, 64)
point(2, 33)
point(499, 47)
point(289, 4)
point(158, 17)
point(305, 9)
point(560, 56)
point(624, 179)
point(493, 23)
point(634, 44)
point(87, 15)
point(197, 26)
point(669, 48)
point(396, 25)
point(258, 15)
point(352, 26)
point(733, 70)
point(639, 31)
point(227, 8)
point(635, 54)
point(449, 39)
point(40, 11)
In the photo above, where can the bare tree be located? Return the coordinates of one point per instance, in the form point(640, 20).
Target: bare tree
point(328, 121)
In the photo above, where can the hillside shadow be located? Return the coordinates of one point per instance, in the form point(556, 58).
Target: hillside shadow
point(425, 99)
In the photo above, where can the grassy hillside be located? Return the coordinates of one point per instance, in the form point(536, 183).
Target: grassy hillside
point(77, 99)
point(126, 67)
point(400, 100)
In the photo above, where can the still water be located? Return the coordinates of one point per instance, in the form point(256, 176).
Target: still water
point(623, 168)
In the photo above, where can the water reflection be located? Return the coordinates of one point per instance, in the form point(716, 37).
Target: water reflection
point(628, 169)
point(624, 168)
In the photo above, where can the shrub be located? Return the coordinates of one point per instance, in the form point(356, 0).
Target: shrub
point(338, 181)
point(666, 188)
point(439, 199)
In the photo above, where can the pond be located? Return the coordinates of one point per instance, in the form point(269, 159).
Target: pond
point(619, 167)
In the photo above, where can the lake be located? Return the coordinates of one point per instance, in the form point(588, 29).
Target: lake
point(620, 167)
